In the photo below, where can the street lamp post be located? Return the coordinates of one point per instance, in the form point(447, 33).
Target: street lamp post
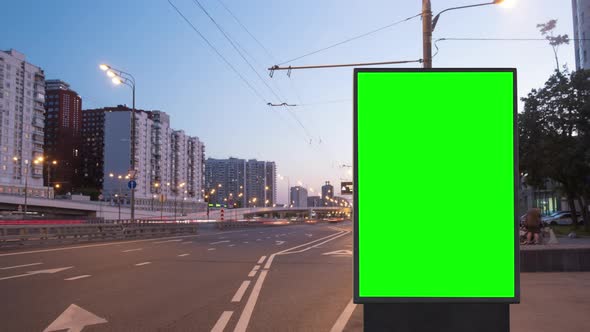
point(49, 175)
point(120, 77)
point(429, 24)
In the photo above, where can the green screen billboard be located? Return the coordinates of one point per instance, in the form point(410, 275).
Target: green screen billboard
point(435, 156)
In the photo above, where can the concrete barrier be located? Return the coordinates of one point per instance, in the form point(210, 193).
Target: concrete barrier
point(21, 234)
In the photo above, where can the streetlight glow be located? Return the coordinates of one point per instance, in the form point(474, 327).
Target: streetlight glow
point(110, 73)
point(103, 67)
point(505, 3)
point(116, 81)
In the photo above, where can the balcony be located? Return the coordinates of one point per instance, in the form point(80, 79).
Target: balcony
point(37, 138)
point(39, 97)
point(38, 122)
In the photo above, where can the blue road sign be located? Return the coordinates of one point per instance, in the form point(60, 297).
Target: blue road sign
point(132, 184)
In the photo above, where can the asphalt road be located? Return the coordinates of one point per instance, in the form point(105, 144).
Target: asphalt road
point(283, 278)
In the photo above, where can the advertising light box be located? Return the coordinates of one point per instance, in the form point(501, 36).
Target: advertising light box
point(435, 174)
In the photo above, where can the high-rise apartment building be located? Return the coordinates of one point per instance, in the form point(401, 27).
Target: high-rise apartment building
point(581, 32)
point(169, 163)
point(63, 137)
point(240, 183)
point(22, 122)
point(327, 193)
point(298, 197)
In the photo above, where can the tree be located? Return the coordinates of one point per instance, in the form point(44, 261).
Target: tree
point(546, 30)
point(554, 133)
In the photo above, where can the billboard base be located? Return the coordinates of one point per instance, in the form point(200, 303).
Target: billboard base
point(437, 317)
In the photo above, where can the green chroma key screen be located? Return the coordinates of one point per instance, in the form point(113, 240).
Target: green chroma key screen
point(435, 185)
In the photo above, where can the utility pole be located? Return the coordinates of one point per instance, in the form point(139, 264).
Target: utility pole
point(427, 33)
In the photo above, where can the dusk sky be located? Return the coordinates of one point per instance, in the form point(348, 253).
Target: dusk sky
point(178, 73)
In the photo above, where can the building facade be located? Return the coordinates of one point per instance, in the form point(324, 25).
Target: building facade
point(314, 201)
point(63, 137)
point(240, 183)
point(298, 197)
point(169, 163)
point(327, 193)
point(22, 123)
point(581, 32)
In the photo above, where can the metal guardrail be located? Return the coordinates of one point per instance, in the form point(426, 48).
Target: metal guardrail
point(10, 234)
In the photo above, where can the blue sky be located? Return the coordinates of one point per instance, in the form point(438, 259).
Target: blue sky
point(178, 73)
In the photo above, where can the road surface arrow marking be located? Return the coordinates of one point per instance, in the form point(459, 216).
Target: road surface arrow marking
point(32, 273)
point(339, 253)
point(74, 319)
point(279, 242)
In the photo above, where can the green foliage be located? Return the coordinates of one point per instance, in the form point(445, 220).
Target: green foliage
point(546, 30)
point(554, 134)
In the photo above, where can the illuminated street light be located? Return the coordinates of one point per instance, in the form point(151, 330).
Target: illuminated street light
point(119, 77)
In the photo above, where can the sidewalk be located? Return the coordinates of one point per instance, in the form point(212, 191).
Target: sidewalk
point(558, 301)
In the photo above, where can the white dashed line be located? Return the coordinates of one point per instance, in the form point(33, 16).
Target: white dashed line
point(17, 266)
point(144, 263)
point(261, 259)
point(78, 277)
point(247, 313)
point(232, 245)
point(211, 249)
point(240, 293)
point(182, 255)
point(222, 321)
point(130, 250)
point(168, 241)
point(218, 242)
point(246, 242)
point(254, 270)
point(187, 242)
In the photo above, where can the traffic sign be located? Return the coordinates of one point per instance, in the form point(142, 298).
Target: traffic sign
point(132, 184)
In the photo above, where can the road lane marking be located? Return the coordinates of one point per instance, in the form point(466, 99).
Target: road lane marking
point(218, 242)
point(144, 263)
point(240, 293)
point(246, 242)
point(343, 233)
point(261, 259)
point(344, 317)
point(32, 273)
point(278, 243)
point(178, 240)
point(211, 249)
point(254, 270)
point(339, 253)
point(182, 255)
point(249, 308)
point(130, 250)
point(247, 313)
point(222, 321)
point(232, 245)
point(17, 266)
point(78, 277)
point(186, 242)
point(111, 244)
point(257, 239)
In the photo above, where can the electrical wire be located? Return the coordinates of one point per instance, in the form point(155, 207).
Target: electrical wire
point(495, 39)
point(246, 29)
point(351, 39)
point(234, 45)
point(218, 53)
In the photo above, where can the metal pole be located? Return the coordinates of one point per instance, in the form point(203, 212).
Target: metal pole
point(175, 199)
point(427, 33)
point(119, 200)
point(26, 184)
point(133, 155)
point(161, 206)
point(48, 178)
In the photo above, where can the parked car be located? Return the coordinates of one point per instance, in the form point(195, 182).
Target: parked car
point(561, 218)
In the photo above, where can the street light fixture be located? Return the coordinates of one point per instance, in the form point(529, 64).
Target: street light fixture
point(429, 24)
point(121, 77)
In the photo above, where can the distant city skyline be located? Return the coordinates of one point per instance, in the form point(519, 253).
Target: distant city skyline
point(179, 74)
